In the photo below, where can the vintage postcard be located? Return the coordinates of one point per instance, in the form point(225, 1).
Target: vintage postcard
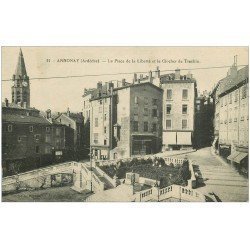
point(125, 124)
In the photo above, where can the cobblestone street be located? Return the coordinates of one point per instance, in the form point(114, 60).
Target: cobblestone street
point(219, 177)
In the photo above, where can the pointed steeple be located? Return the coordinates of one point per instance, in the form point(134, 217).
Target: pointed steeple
point(20, 68)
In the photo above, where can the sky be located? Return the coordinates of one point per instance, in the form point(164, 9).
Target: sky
point(59, 94)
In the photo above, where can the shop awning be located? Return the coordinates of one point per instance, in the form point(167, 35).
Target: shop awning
point(169, 138)
point(233, 155)
point(184, 138)
point(240, 157)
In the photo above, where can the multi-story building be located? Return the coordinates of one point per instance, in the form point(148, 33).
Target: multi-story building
point(25, 136)
point(88, 93)
point(178, 110)
point(126, 120)
point(203, 133)
point(75, 133)
point(231, 115)
point(29, 139)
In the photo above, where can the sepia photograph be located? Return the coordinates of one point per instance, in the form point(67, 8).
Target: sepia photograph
point(125, 124)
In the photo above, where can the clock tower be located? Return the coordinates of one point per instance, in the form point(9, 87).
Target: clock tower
point(20, 89)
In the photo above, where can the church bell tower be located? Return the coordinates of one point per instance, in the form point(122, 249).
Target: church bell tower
point(20, 89)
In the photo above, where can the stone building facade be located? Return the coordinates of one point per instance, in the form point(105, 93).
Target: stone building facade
point(74, 122)
point(29, 139)
point(178, 120)
point(20, 89)
point(125, 120)
point(231, 115)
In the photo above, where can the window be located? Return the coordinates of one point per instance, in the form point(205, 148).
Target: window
point(184, 109)
point(230, 98)
point(236, 96)
point(135, 126)
point(31, 129)
point(145, 126)
point(154, 101)
point(58, 143)
point(136, 111)
point(154, 112)
point(47, 129)
point(184, 124)
point(96, 138)
point(105, 130)
point(37, 149)
point(19, 139)
point(37, 137)
point(145, 100)
point(154, 127)
point(47, 150)
point(96, 122)
point(105, 117)
point(9, 128)
point(168, 124)
point(184, 94)
point(47, 138)
point(169, 94)
point(168, 109)
point(58, 131)
point(146, 111)
point(136, 100)
point(243, 92)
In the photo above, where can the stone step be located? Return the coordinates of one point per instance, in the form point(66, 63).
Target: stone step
point(220, 182)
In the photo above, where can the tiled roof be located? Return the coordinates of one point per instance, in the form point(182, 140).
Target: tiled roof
point(16, 118)
point(16, 106)
point(76, 117)
point(228, 82)
point(170, 78)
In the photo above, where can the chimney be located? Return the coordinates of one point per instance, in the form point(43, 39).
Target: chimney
point(68, 112)
point(99, 85)
point(123, 82)
point(189, 75)
point(157, 72)
point(150, 76)
point(48, 113)
point(177, 74)
point(235, 60)
point(135, 77)
point(6, 102)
